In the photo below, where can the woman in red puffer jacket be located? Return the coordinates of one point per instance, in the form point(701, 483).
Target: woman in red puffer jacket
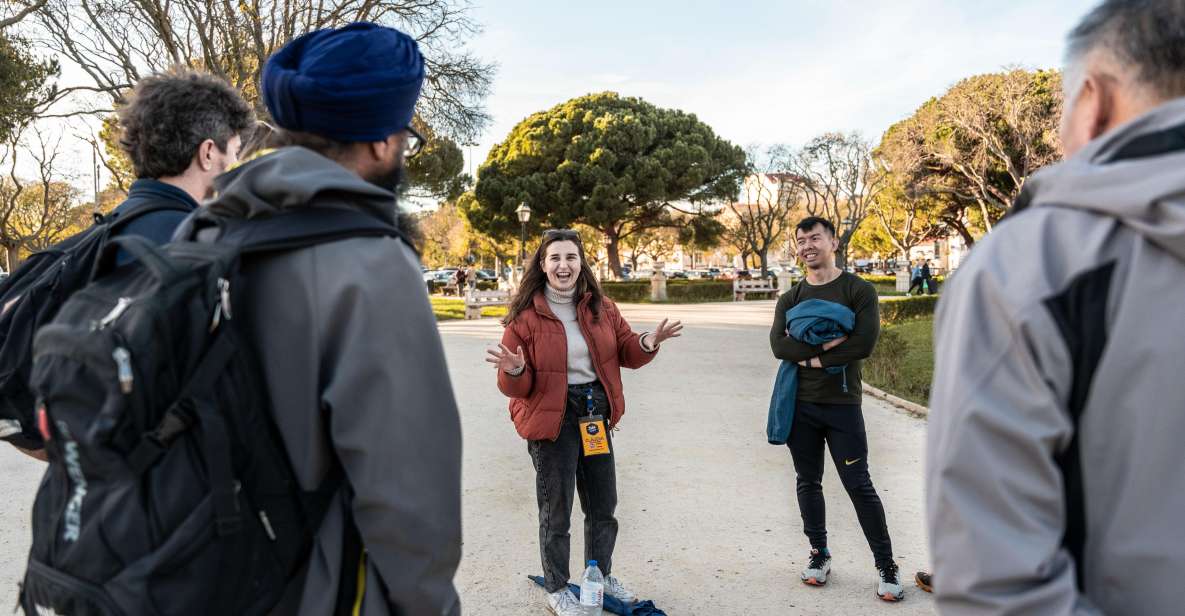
point(560, 364)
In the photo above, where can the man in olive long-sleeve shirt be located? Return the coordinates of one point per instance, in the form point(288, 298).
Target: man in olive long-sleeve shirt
point(827, 409)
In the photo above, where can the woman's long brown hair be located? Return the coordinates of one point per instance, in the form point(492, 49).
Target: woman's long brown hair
point(535, 279)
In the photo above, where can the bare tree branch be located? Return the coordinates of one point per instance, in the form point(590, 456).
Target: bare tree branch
point(21, 14)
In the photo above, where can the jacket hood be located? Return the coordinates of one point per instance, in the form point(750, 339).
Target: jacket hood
point(1133, 173)
point(296, 177)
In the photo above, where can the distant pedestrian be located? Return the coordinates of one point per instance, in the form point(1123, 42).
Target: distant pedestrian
point(927, 281)
point(915, 278)
point(462, 278)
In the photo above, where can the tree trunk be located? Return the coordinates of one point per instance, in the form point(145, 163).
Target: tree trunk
point(764, 256)
point(611, 250)
point(14, 257)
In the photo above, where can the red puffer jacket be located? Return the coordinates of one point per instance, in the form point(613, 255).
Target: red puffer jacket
point(538, 396)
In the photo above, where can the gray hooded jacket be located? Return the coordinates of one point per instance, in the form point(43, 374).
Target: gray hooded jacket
point(1056, 444)
point(355, 369)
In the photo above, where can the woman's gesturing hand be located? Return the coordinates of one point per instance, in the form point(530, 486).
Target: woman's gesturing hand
point(506, 361)
point(667, 331)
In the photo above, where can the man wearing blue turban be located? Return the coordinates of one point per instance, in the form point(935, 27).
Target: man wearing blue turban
point(352, 360)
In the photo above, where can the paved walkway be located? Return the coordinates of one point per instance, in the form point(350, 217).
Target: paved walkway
point(709, 524)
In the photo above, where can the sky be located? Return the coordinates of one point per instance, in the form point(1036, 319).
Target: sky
point(759, 72)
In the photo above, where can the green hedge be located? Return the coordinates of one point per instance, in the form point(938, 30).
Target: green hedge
point(903, 361)
point(907, 308)
point(482, 285)
point(687, 291)
point(886, 289)
point(627, 292)
point(678, 291)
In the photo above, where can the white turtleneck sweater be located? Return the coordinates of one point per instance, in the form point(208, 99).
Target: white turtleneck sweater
point(580, 366)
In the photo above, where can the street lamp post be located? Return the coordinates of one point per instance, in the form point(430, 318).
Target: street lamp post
point(847, 223)
point(524, 215)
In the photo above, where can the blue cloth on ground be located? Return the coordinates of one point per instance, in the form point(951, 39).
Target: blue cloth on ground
point(813, 322)
point(613, 606)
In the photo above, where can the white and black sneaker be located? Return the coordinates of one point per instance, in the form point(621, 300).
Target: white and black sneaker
point(614, 588)
point(889, 588)
point(818, 568)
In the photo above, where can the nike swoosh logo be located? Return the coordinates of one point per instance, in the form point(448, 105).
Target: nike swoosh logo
point(850, 462)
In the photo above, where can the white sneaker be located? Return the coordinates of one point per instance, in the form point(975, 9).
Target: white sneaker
point(614, 588)
point(889, 588)
point(564, 603)
point(817, 569)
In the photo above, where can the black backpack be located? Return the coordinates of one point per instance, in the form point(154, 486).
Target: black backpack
point(168, 489)
point(31, 296)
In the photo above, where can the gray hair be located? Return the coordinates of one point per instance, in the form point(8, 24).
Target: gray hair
point(1145, 36)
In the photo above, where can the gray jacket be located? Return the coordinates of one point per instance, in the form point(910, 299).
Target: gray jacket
point(1057, 430)
point(355, 368)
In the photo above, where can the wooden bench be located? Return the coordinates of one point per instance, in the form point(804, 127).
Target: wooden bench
point(476, 300)
point(741, 288)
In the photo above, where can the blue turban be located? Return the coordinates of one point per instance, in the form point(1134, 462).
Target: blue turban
point(356, 83)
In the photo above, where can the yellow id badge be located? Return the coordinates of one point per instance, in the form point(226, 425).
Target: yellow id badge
point(594, 436)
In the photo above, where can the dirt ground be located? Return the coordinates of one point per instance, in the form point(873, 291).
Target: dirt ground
point(709, 524)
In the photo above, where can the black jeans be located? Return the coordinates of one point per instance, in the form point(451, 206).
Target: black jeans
point(841, 426)
point(560, 467)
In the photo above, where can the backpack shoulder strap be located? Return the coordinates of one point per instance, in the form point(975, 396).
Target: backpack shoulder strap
point(298, 228)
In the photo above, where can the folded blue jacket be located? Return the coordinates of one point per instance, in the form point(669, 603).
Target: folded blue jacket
point(813, 322)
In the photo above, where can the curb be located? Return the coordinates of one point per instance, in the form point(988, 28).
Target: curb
point(912, 408)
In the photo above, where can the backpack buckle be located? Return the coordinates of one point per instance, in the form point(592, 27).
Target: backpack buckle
point(155, 442)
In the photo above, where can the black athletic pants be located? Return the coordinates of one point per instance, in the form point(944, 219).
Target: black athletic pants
point(841, 427)
point(560, 468)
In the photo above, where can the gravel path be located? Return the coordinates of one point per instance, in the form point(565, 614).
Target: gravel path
point(709, 524)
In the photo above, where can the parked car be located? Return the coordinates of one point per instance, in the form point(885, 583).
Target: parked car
point(715, 274)
point(680, 274)
point(486, 274)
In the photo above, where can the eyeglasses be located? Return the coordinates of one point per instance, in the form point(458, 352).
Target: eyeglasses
point(414, 144)
point(560, 234)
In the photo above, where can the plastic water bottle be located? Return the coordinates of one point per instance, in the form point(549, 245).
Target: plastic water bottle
point(592, 590)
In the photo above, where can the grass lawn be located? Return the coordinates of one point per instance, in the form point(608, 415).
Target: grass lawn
point(447, 309)
point(903, 362)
